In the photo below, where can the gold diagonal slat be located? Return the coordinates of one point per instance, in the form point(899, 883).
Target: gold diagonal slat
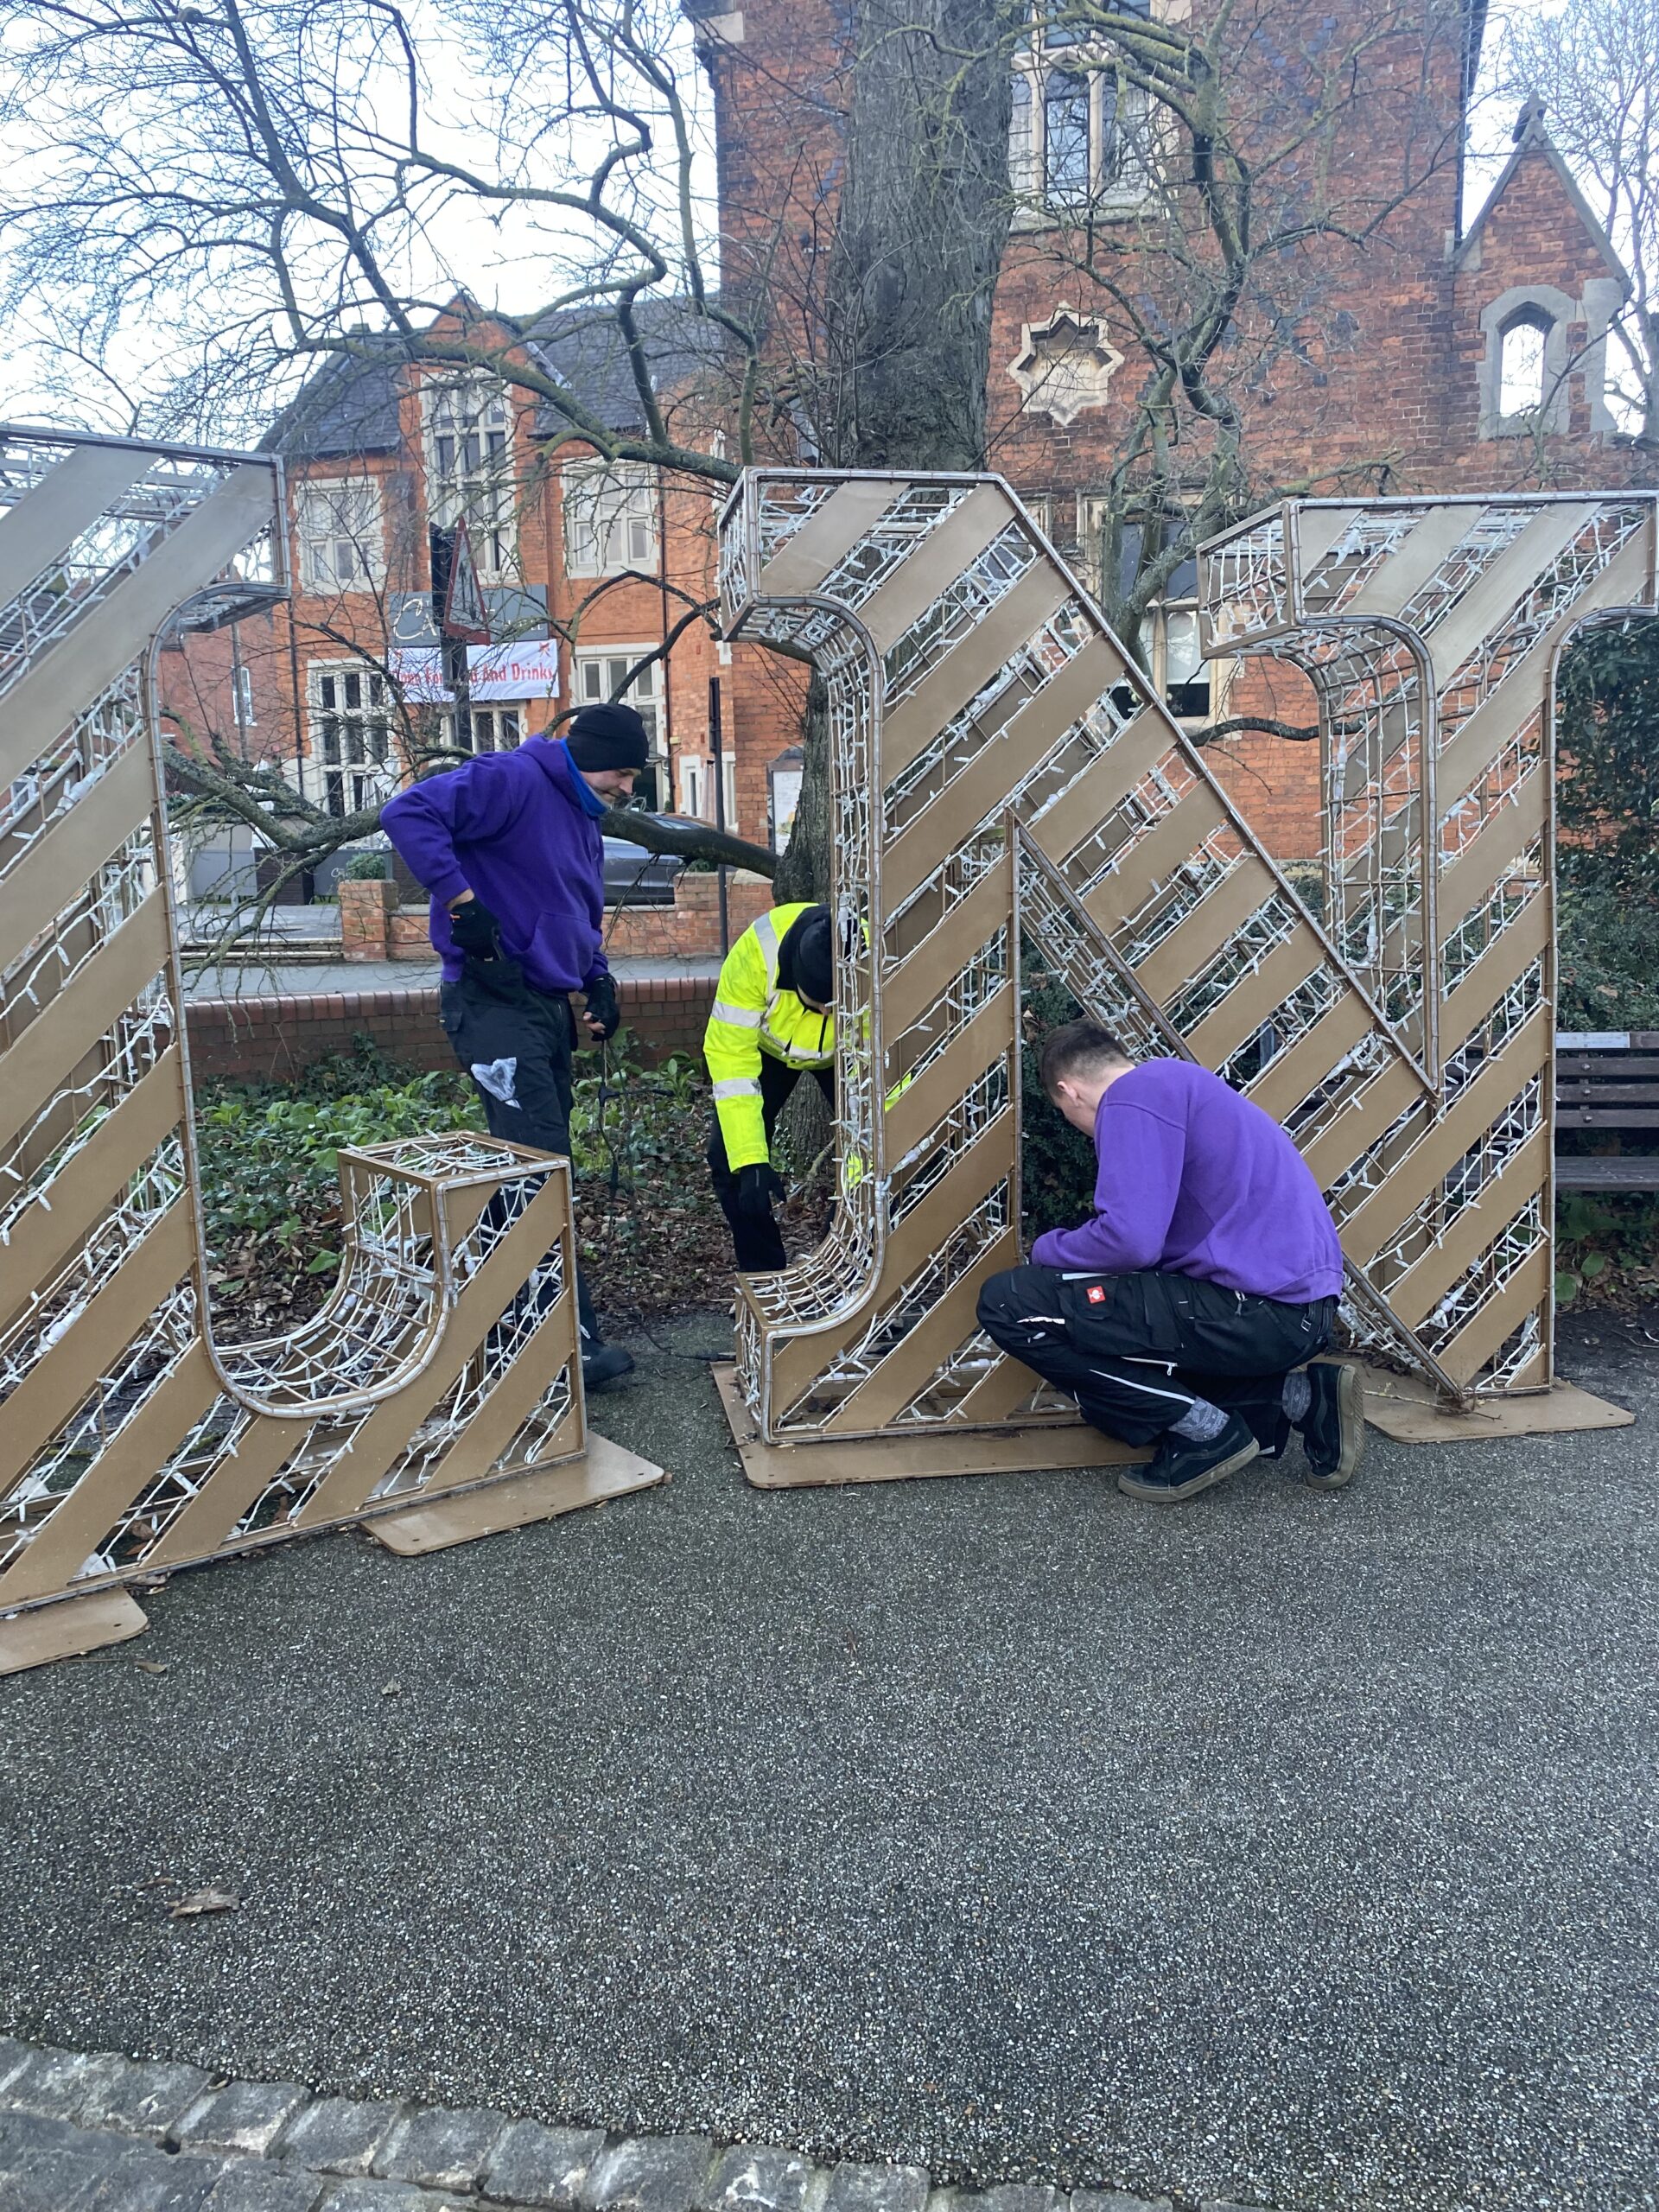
point(1240, 1015)
point(913, 724)
point(1502, 584)
point(1178, 959)
point(934, 563)
point(514, 1397)
point(1293, 1074)
point(376, 1443)
point(48, 518)
point(824, 539)
point(45, 1235)
point(798, 1361)
point(1484, 862)
point(1472, 1230)
point(230, 1489)
point(1171, 842)
point(122, 1471)
point(916, 984)
point(59, 866)
point(924, 1103)
point(43, 703)
point(41, 1060)
point(1499, 1318)
point(1397, 581)
point(891, 1385)
point(1080, 810)
point(1478, 740)
point(1505, 962)
point(65, 1373)
point(1313, 531)
point(1001, 1391)
point(1501, 1081)
point(1350, 1133)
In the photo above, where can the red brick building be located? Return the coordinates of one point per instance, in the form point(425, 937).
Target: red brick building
point(1397, 352)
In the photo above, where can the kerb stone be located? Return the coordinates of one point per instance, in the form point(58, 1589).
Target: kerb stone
point(1008, 2196)
point(242, 2116)
point(59, 2084)
point(876, 2189)
point(338, 2135)
point(441, 2149)
point(254, 2186)
point(14, 2056)
point(748, 2179)
point(143, 2096)
point(1117, 2200)
point(542, 2167)
point(650, 2173)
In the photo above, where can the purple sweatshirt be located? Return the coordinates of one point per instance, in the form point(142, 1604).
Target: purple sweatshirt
point(512, 829)
point(1194, 1180)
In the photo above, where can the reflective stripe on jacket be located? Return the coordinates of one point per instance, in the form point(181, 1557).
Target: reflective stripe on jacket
point(752, 1015)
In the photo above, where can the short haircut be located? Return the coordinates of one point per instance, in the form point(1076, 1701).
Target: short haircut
point(1078, 1048)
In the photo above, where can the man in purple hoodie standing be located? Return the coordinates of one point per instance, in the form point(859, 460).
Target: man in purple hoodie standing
point(1185, 1314)
point(509, 845)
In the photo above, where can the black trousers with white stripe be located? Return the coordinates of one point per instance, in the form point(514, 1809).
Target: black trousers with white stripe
point(1136, 1351)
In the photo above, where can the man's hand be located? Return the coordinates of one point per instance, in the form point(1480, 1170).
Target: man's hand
point(474, 931)
point(602, 1015)
point(757, 1187)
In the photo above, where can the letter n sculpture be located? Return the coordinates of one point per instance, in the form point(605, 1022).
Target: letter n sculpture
point(1009, 799)
point(436, 1392)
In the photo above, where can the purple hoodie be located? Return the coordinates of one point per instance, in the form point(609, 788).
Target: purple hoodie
point(1194, 1180)
point(512, 829)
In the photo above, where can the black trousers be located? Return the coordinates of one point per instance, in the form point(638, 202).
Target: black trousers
point(1137, 1351)
point(516, 1044)
point(755, 1238)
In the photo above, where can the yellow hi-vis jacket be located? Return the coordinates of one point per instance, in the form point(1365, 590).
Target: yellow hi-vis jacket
point(752, 1015)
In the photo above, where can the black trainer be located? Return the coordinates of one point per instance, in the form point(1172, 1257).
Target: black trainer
point(605, 1364)
point(1182, 1469)
point(1332, 1429)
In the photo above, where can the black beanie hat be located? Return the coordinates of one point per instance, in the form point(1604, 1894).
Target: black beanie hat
point(609, 736)
point(806, 962)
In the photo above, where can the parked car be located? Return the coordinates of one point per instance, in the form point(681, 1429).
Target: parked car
point(635, 877)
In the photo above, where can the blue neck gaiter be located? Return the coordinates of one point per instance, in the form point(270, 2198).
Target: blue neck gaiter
point(587, 799)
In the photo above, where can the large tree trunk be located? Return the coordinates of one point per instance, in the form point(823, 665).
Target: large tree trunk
point(922, 221)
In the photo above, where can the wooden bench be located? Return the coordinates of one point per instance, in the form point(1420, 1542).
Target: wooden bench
point(1607, 1080)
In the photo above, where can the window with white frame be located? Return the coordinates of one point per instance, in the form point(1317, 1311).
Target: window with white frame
point(342, 538)
point(489, 729)
point(694, 787)
point(469, 446)
point(1521, 366)
point(598, 674)
point(1077, 134)
point(351, 737)
point(1189, 686)
point(610, 517)
point(243, 685)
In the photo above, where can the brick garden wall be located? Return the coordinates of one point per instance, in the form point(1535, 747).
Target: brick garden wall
point(275, 1039)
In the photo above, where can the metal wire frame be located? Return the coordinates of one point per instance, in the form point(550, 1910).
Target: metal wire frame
point(1391, 847)
point(424, 1215)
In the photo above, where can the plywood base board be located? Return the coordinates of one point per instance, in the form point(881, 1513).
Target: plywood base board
point(68, 1629)
point(1033, 1449)
point(1411, 1411)
point(604, 1470)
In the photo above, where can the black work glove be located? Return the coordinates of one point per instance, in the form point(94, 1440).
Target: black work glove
point(474, 931)
point(601, 994)
point(758, 1186)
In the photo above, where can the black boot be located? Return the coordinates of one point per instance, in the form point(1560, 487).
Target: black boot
point(601, 1363)
point(1182, 1468)
point(1332, 1429)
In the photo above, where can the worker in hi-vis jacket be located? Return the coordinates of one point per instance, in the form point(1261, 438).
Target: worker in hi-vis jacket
point(771, 1025)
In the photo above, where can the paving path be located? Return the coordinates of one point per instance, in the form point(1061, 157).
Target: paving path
point(1283, 1849)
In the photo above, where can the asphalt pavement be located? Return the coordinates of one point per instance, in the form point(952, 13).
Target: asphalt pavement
point(1292, 1849)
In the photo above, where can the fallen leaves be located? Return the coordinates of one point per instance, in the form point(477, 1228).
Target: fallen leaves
point(150, 1666)
point(201, 1903)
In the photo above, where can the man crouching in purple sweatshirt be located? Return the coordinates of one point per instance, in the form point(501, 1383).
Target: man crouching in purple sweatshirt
point(509, 845)
point(1183, 1314)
